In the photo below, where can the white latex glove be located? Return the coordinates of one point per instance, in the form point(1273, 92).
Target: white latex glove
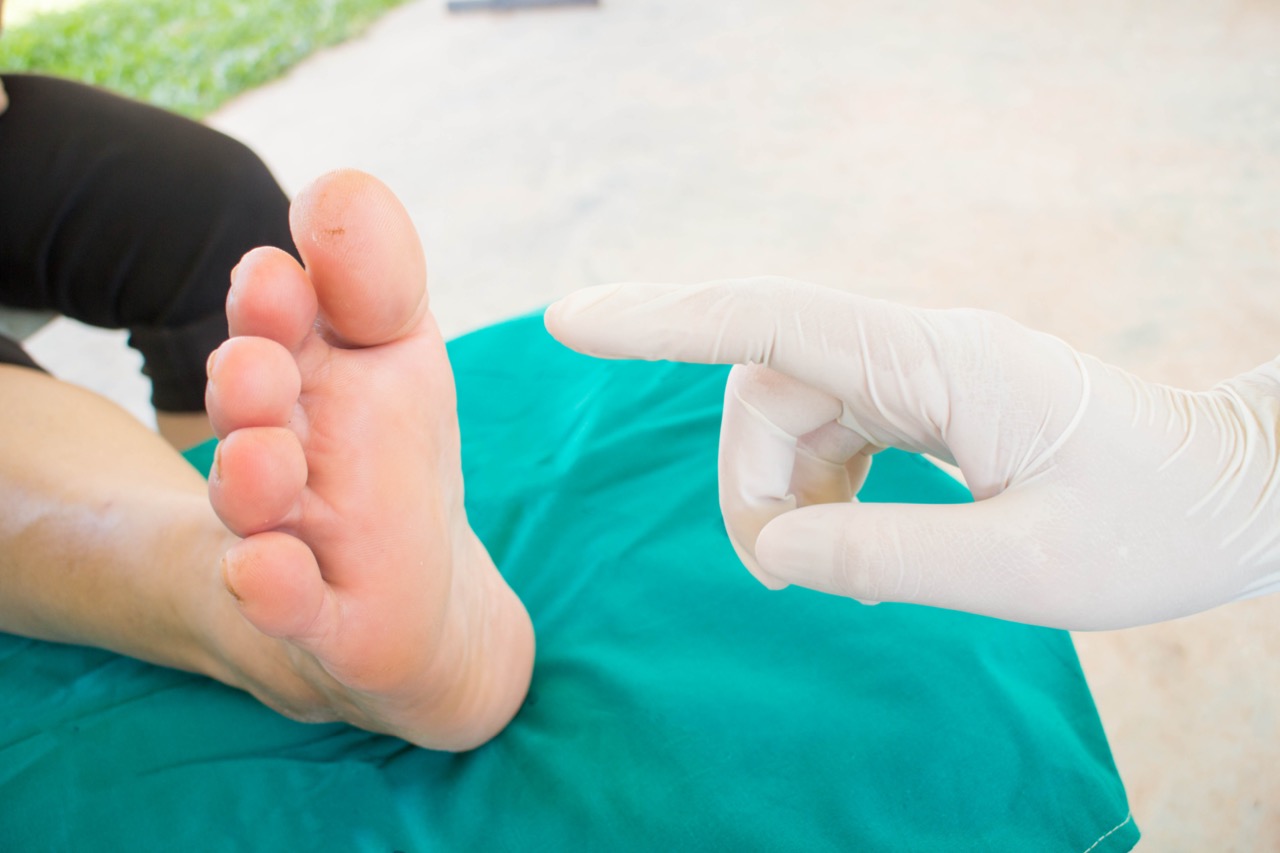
point(1102, 501)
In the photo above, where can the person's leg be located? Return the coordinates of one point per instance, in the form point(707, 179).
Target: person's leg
point(106, 538)
point(82, 484)
point(121, 215)
point(361, 592)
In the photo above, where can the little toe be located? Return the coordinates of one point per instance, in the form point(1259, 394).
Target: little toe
point(271, 297)
point(277, 585)
point(253, 382)
point(363, 256)
point(257, 479)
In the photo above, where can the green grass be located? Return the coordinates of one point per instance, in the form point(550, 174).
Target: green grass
point(185, 55)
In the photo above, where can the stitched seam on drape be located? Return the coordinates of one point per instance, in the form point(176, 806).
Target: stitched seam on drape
point(1104, 836)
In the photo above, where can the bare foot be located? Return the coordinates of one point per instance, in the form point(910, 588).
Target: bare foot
point(373, 601)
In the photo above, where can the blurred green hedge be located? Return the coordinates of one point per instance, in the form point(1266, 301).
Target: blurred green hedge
point(185, 55)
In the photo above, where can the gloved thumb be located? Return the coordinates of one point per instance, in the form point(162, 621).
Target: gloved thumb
point(981, 558)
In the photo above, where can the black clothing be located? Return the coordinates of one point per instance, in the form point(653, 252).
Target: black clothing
point(122, 215)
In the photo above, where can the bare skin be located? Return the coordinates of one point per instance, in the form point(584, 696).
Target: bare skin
point(106, 536)
point(359, 592)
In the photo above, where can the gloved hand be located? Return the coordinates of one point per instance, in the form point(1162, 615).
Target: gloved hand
point(1102, 501)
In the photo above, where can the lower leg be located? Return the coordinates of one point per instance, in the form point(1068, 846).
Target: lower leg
point(106, 538)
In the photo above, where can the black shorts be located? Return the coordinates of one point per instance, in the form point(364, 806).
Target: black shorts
point(125, 216)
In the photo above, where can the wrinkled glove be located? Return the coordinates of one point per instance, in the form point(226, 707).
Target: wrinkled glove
point(1102, 501)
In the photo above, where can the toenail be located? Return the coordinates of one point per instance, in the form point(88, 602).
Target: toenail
point(208, 365)
point(232, 291)
point(226, 581)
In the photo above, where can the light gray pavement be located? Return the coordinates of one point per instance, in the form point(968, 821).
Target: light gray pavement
point(1106, 171)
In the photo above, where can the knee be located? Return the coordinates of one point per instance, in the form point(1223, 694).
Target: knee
point(246, 202)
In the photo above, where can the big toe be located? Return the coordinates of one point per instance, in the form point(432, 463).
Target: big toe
point(363, 256)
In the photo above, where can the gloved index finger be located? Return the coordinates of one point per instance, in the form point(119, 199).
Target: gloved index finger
point(803, 330)
point(882, 360)
point(717, 322)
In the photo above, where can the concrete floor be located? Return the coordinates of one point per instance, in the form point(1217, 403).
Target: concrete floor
point(1106, 171)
